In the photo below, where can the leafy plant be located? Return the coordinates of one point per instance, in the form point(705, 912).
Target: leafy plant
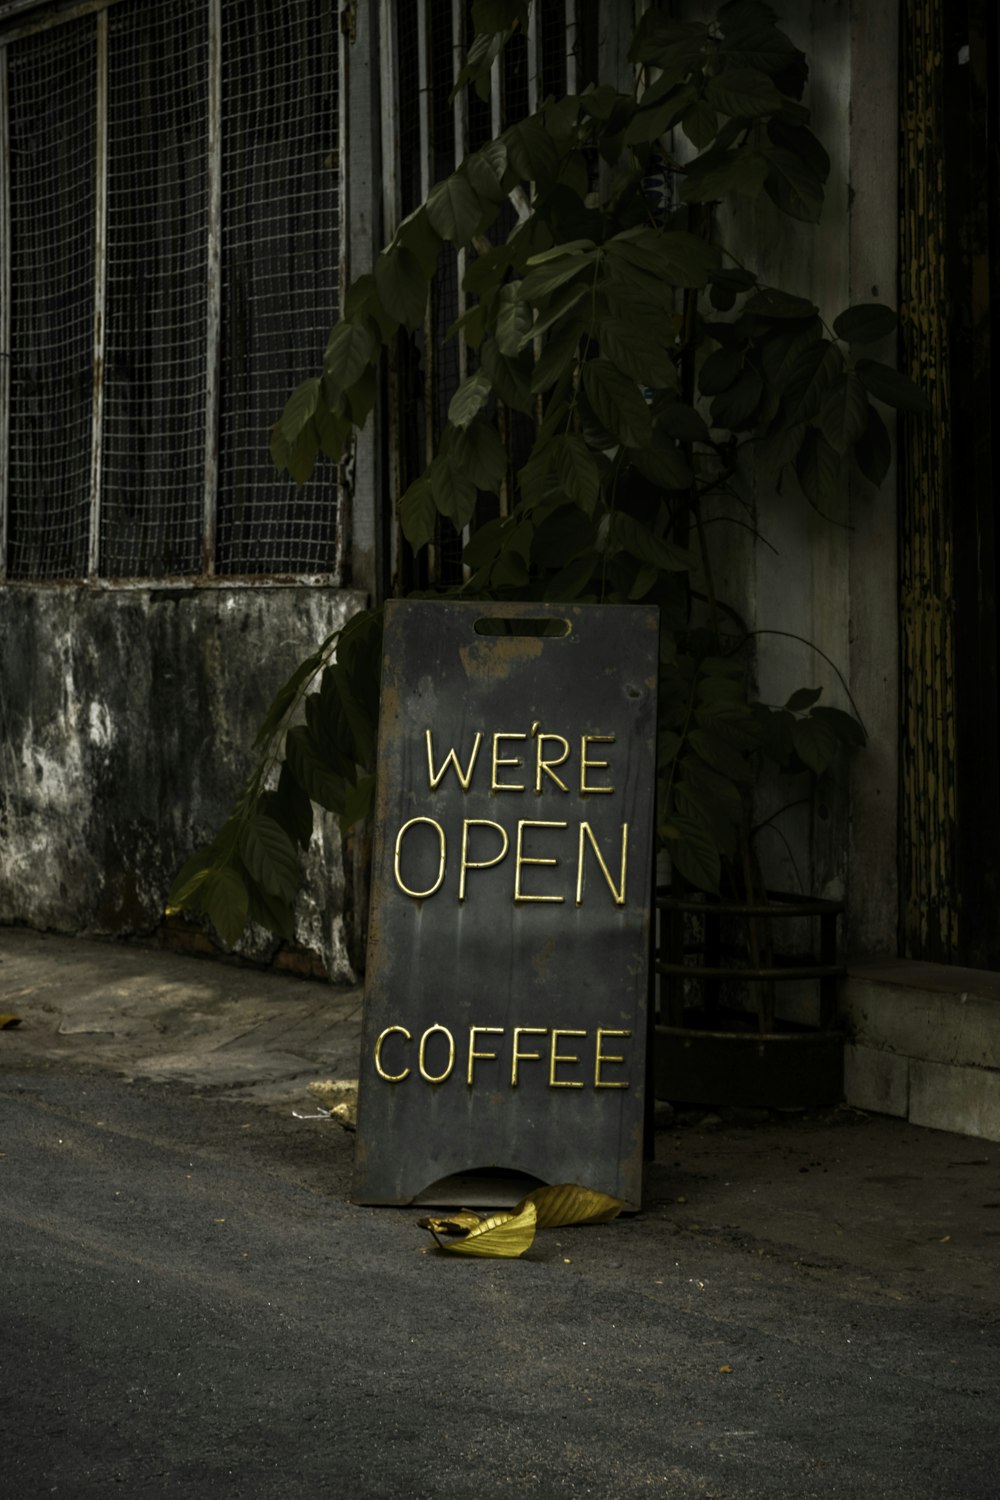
point(640, 364)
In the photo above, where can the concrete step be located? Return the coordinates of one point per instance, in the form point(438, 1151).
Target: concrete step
point(924, 1044)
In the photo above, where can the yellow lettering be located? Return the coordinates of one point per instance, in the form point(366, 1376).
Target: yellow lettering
point(478, 864)
point(618, 892)
point(600, 1058)
point(545, 763)
point(390, 1077)
point(451, 759)
point(520, 858)
point(593, 765)
point(499, 760)
point(518, 1056)
point(420, 895)
point(439, 1077)
point(562, 1057)
point(475, 1056)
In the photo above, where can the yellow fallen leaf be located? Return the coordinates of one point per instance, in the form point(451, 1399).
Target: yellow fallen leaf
point(459, 1223)
point(504, 1235)
point(6, 1021)
point(725, 1369)
point(569, 1203)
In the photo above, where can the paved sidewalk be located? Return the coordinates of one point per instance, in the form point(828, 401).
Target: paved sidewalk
point(151, 1014)
point(906, 1211)
point(808, 1307)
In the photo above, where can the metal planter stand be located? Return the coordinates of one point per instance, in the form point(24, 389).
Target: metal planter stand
point(708, 1053)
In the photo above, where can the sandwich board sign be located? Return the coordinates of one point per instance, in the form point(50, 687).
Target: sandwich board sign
point(506, 997)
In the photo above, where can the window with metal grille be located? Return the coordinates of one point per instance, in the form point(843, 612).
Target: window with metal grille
point(169, 266)
point(425, 135)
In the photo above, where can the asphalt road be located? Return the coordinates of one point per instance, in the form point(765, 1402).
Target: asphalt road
point(191, 1307)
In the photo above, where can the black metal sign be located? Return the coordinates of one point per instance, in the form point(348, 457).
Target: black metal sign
point(505, 993)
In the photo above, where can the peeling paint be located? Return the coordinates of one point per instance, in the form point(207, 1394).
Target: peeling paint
point(126, 725)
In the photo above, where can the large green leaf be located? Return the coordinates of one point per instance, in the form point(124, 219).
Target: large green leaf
point(693, 851)
point(815, 743)
point(895, 389)
point(846, 728)
point(454, 491)
point(771, 302)
point(471, 396)
point(735, 407)
point(757, 43)
point(843, 416)
point(513, 324)
point(674, 255)
point(418, 513)
point(866, 323)
point(557, 356)
point(743, 92)
point(681, 421)
point(454, 209)
point(873, 449)
point(311, 771)
point(700, 123)
point(578, 471)
point(642, 358)
point(793, 185)
point(571, 581)
point(718, 753)
point(817, 466)
point(555, 311)
point(299, 409)
point(662, 462)
point(617, 402)
point(719, 371)
point(302, 453)
point(226, 901)
point(711, 177)
point(510, 377)
point(532, 153)
point(634, 536)
point(271, 912)
point(545, 278)
point(189, 880)
point(349, 352)
point(731, 722)
point(815, 369)
point(291, 807)
point(650, 121)
point(270, 856)
point(402, 286)
point(479, 454)
point(485, 173)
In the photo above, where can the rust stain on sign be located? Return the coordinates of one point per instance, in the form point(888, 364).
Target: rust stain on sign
point(505, 1005)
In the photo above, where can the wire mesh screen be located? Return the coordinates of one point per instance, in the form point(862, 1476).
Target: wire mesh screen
point(153, 461)
point(52, 212)
point(280, 273)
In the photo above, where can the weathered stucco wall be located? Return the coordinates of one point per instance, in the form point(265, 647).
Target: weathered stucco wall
point(126, 721)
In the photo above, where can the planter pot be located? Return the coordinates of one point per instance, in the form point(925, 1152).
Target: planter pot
point(781, 1069)
point(706, 1053)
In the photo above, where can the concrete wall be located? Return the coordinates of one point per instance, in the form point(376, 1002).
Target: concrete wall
point(126, 721)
